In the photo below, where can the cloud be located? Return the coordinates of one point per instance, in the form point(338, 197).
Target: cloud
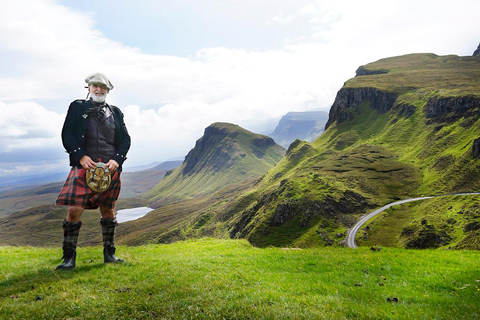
point(28, 125)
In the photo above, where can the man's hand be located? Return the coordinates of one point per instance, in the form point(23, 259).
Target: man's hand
point(112, 165)
point(87, 162)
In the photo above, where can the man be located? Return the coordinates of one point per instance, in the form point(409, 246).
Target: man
point(94, 131)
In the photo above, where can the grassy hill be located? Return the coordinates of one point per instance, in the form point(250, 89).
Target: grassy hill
point(404, 127)
point(230, 279)
point(226, 154)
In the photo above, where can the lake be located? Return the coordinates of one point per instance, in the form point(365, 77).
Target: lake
point(132, 214)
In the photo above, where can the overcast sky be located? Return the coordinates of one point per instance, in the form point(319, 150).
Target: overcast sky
point(178, 66)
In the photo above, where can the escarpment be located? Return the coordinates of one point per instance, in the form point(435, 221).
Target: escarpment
point(452, 108)
point(348, 99)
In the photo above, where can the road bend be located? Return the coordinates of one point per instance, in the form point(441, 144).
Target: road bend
point(352, 233)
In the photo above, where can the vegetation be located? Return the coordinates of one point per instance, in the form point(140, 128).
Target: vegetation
point(228, 279)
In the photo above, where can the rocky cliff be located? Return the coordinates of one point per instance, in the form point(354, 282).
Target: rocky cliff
point(348, 100)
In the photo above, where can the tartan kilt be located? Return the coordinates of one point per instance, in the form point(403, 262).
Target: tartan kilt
point(76, 193)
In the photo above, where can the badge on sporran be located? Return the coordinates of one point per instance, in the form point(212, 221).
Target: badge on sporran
point(98, 178)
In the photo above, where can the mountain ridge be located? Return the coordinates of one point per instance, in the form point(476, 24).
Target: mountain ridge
point(225, 154)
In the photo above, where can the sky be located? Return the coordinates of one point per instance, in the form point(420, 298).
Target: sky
point(179, 66)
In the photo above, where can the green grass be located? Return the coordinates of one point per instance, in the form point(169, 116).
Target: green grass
point(229, 279)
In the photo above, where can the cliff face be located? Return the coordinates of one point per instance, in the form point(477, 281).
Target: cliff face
point(437, 109)
point(455, 107)
point(347, 101)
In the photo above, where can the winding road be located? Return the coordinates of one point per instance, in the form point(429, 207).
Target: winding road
point(352, 233)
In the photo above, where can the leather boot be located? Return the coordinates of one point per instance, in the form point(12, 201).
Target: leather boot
point(108, 232)
point(69, 244)
point(69, 257)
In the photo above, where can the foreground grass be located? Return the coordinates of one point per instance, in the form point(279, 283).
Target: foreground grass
point(215, 279)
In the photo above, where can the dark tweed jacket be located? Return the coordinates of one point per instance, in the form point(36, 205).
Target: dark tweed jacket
point(73, 132)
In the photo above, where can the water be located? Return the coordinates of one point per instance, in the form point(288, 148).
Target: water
point(132, 214)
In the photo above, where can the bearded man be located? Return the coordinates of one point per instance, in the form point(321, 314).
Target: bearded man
point(94, 134)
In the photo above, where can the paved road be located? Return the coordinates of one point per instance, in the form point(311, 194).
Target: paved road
point(352, 233)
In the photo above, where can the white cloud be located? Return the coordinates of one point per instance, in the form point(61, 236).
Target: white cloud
point(28, 125)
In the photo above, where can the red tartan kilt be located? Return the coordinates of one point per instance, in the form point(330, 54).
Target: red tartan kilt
point(76, 193)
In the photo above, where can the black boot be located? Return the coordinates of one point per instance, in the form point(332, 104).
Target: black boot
point(108, 232)
point(69, 244)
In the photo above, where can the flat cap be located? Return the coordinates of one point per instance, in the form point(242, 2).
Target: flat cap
point(99, 78)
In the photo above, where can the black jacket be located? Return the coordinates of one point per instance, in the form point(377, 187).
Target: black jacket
point(73, 132)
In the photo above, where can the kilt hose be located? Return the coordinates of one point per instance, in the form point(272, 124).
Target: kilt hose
point(70, 234)
point(69, 244)
point(76, 193)
point(108, 232)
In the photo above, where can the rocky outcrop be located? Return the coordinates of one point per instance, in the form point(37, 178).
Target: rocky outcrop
point(476, 148)
point(477, 52)
point(426, 236)
point(306, 210)
point(347, 101)
point(459, 106)
point(263, 142)
point(361, 71)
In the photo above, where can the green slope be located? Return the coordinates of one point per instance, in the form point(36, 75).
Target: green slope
point(404, 128)
point(225, 155)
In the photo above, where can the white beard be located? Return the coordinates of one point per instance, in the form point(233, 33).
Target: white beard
point(98, 98)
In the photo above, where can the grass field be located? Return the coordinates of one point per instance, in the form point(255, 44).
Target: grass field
point(230, 279)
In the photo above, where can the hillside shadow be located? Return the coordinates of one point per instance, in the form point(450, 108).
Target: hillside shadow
point(15, 286)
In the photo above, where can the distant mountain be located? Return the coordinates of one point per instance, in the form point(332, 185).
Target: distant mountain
point(23, 182)
point(168, 165)
point(226, 154)
point(306, 126)
point(141, 167)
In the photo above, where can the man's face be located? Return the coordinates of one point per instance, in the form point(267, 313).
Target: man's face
point(98, 91)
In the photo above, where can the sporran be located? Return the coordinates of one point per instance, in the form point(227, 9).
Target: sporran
point(98, 179)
